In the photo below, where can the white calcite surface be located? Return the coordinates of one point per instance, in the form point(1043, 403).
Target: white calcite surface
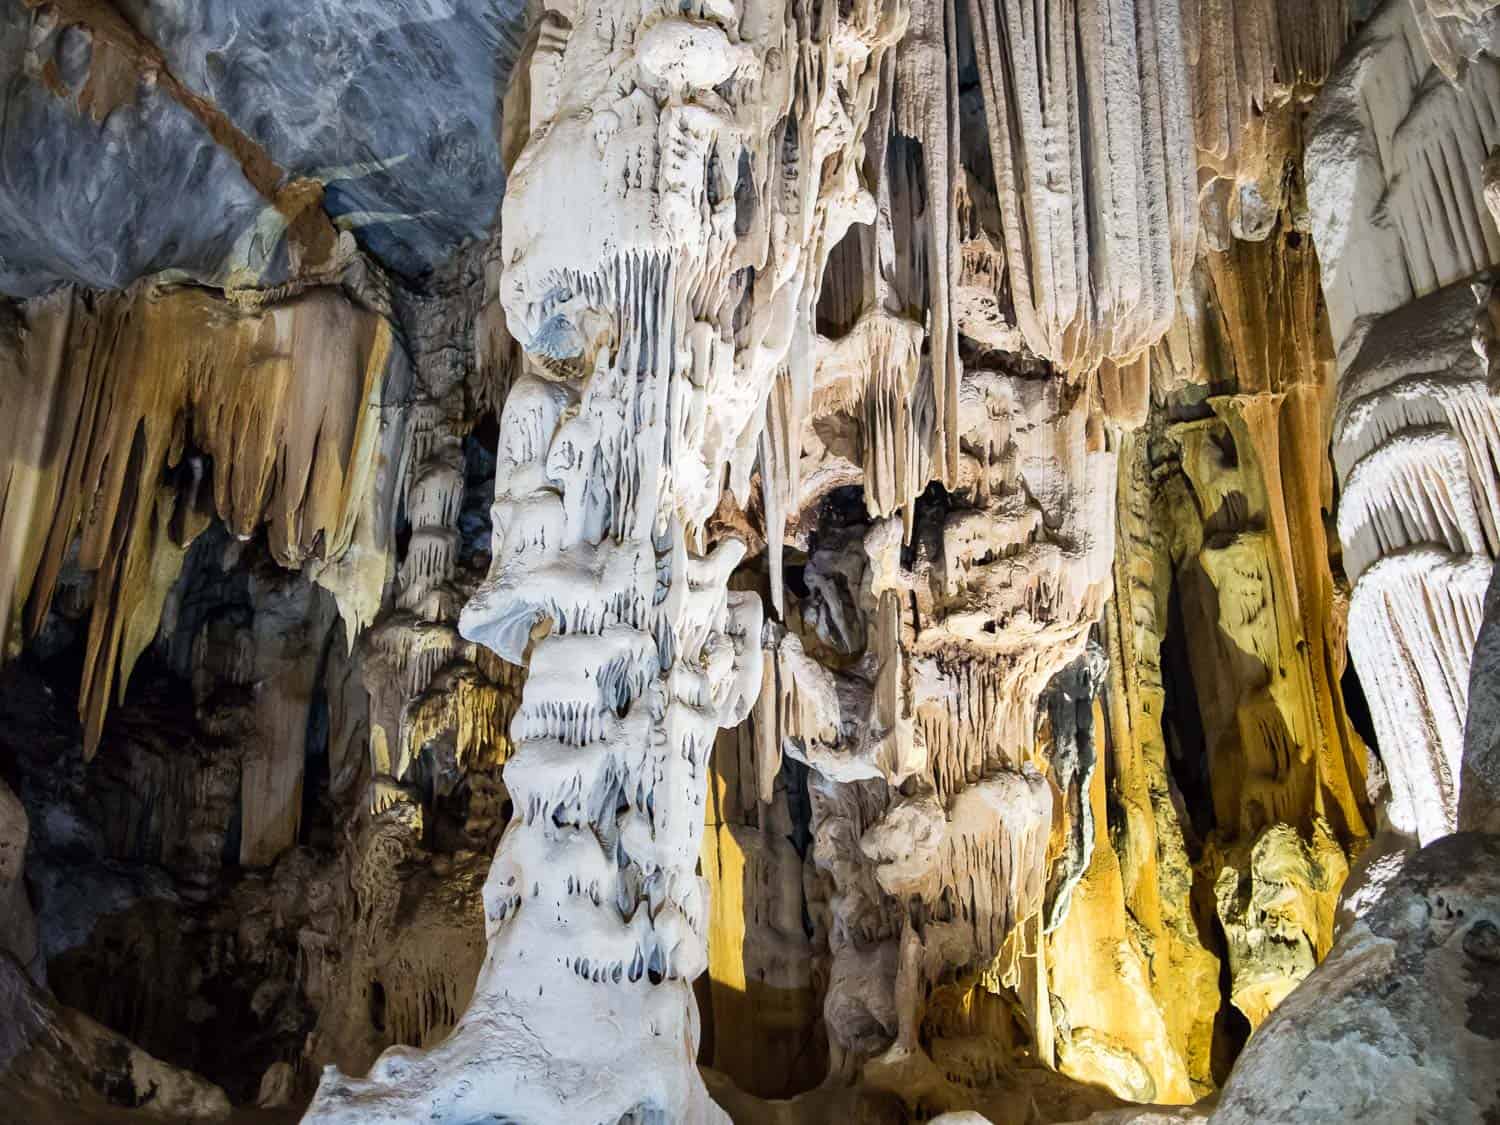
point(1415, 438)
point(1394, 159)
point(663, 233)
point(1094, 170)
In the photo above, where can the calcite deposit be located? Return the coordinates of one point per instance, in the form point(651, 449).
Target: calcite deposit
point(772, 561)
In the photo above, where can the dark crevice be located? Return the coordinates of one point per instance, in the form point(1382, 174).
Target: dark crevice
point(1182, 723)
point(1358, 707)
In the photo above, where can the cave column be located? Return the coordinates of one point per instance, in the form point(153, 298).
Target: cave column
point(663, 233)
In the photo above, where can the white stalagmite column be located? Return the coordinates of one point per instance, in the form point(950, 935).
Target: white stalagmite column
point(1416, 432)
point(663, 233)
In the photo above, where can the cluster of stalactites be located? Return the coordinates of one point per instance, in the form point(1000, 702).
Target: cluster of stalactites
point(142, 415)
point(1416, 436)
point(1254, 65)
point(1395, 182)
point(1094, 170)
point(907, 682)
point(1075, 255)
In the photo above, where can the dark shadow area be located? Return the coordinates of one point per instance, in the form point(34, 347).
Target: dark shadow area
point(1357, 707)
point(1182, 725)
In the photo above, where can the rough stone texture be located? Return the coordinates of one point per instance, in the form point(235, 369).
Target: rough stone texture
point(18, 933)
point(1099, 226)
point(389, 112)
point(54, 1060)
point(1456, 32)
point(1399, 1022)
point(1255, 65)
point(1276, 904)
point(1236, 767)
point(1397, 1025)
point(1479, 778)
point(650, 351)
point(125, 408)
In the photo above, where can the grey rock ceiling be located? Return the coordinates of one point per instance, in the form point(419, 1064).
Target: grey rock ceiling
point(392, 105)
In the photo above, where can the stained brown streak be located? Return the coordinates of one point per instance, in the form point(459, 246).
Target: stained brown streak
point(109, 393)
point(1255, 65)
point(300, 200)
point(1278, 355)
point(1250, 59)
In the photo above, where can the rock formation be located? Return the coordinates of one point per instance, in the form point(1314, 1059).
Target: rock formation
point(774, 562)
point(1401, 1008)
point(1413, 429)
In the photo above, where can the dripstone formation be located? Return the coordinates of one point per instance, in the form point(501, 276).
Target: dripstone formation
point(774, 561)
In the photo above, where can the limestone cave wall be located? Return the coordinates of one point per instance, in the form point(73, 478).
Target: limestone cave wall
point(780, 561)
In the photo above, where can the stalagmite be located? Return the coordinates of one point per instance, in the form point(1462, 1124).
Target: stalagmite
point(653, 332)
point(1277, 905)
point(1395, 156)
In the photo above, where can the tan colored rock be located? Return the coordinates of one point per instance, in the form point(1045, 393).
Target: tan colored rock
point(1221, 518)
point(1150, 847)
point(899, 322)
point(108, 396)
point(276, 1087)
point(1458, 31)
point(1112, 1032)
point(1276, 903)
point(763, 1015)
point(1255, 64)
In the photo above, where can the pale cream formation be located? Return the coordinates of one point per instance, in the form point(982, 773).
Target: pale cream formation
point(1395, 161)
point(722, 157)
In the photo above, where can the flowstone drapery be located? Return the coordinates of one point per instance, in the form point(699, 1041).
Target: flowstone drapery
point(860, 503)
point(1396, 155)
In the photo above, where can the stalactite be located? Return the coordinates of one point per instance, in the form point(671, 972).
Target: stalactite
point(640, 395)
point(1394, 165)
point(1075, 380)
point(1089, 121)
point(127, 385)
point(1416, 441)
point(1255, 66)
point(925, 98)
